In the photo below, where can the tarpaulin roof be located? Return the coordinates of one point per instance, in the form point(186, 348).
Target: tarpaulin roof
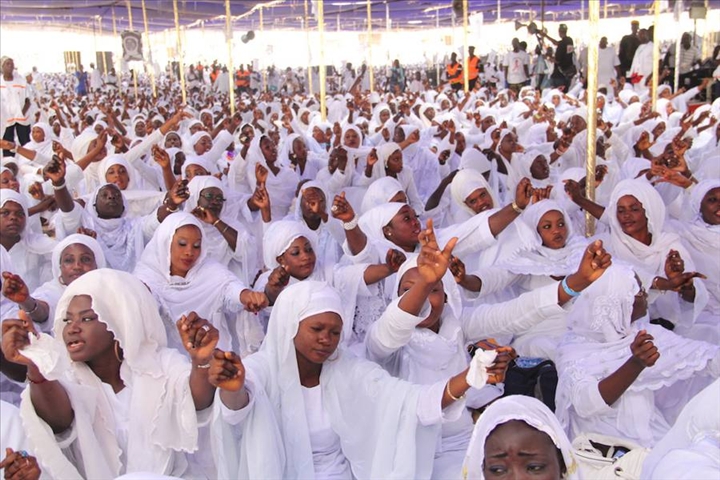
point(289, 14)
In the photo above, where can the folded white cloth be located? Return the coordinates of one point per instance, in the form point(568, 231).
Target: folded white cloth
point(477, 375)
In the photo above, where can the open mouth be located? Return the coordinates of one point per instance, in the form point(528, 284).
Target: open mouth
point(75, 345)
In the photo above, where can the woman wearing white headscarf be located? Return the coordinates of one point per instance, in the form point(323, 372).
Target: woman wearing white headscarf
point(489, 451)
point(142, 196)
point(618, 374)
point(38, 151)
point(106, 396)
point(636, 214)
point(72, 257)
point(381, 191)
point(470, 194)
point(281, 180)
point(295, 154)
point(302, 408)
point(176, 267)
point(28, 250)
point(424, 345)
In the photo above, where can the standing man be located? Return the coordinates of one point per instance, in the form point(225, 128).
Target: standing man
point(473, 68)
point(82, 81)
point(628, 45)
point(565, 69)
point(516, 65)
point(454, 73)
point(689, 56)
point(642, 65)
point(608, 64)
point(96, 82)
point(15, 104)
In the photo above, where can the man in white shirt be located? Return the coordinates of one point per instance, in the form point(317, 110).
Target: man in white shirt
point(642, 65)
point(96, 82)
point(14, 103)
point(608, 63)
point(516, 67)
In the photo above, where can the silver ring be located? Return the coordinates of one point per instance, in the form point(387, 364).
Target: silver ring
point(206, 328)
point(334, 208)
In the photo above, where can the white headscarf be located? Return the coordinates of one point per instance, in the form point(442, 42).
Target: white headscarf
point(163, 420)
point(44, 148)
point(526, 409)
point(380, 192)
point(111, 160)
point(280, 235)
point(466, 181)
point(374, 415)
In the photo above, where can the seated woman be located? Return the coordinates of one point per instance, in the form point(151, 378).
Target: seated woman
point(618, 374)
point(519, 437)
point(424, 344)
point(302, 408)
point(177, 269)
point(279, 180)
point(72, 257)
point(106, 396)
point(295, 155)
point(29, 251)
point(121, 236)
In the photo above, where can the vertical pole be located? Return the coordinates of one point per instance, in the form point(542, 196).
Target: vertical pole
point(676, 17)
point(605, 12)
point(130, 26)
point(387, 32)
point(180, 53)
point(437, 59)
point(231, 68)
point(466, 60)
point(309, 62)
point(594, 17)
point(112, 10)
point(264, 70)
point(656, 54)
point(498, 11)
point(321, 31)
point(105, 69)
point(369, 34)
point(582, 10)
point(152, 68)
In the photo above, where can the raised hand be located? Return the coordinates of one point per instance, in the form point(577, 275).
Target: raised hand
point(55, 170)
point(179, 193)
point(87, 231)
point(394, 259)
point(644, 351)
point(199, 337)
point(457, 268)
point(523, 193)
point(433, 262)
point(261, 174)
point(594, 262)
point(205, 215)
point(15, 337)
point(19, 465)
point(496, 372)
point(161, 157)
point(14, 288)
point(226, 371)
point(253, 301)
point(341, 209)
point(372, 158)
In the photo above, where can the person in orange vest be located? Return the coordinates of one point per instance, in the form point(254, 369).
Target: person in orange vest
point(454, 73)
point(473, 68)
point(242, 80)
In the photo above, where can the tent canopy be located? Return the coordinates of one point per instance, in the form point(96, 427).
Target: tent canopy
point(288, 14)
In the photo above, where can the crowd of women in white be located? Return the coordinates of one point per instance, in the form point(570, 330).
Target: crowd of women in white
point(272, 295)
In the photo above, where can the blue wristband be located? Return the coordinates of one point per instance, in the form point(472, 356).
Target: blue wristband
point(569, 290)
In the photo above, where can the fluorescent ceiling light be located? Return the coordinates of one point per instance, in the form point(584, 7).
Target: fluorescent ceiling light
point(414, 22)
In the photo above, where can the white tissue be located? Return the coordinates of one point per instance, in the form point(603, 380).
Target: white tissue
point(49, 355)
point(477, 375)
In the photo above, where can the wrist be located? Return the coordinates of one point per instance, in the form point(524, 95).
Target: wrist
point(577, 282)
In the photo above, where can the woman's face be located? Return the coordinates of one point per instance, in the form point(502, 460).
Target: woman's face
point(192, 171)
point(7, 180)
point(486, 123)
point(185, 249)
point(640, 302)
point(269, 150)
point(109, 203)
point(86, 337)
point(203, 145)
point(351, 138)
point(460, 143)
point(12, 220)
point(299, 148)
point(556, 100)
point(173, 141)
point(76, 260)
point(404, 228)
point(508, 144)
point(552, 229)
point(539, 169)
point(515, 450)
point(178, 163)
point(318, 135)
point(140, 129)
point(399, 135)
point(384, 115)
point(207, 120)
point(710, 207)
point(299, 259)
point(317, 337)
point(631, 216)
point(479, 200)
point(430, 113)
point(117, 175)
point(196, 127)
point(212, 198)
point(395, 163)
point(658, 130)
point(399, 197)
point(313, 204)
point(38, 134)
point(436, 298)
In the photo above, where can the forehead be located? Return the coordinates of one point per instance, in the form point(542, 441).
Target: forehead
point(627, 200)
point(77, 248)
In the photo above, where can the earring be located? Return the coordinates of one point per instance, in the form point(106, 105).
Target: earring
point(117, 351)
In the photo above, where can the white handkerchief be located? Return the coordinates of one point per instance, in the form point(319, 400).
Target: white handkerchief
point(477, 375)
point(48, 355)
